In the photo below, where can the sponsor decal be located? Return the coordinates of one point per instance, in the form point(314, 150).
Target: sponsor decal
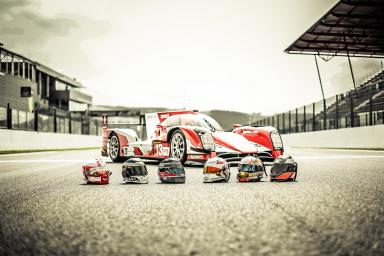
point(94, 179)
point(163, 116)
point(161, 150)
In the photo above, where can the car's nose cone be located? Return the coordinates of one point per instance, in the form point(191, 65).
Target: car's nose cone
point(234, 141)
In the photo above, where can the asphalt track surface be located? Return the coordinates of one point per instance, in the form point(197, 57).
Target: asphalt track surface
point(335, 207)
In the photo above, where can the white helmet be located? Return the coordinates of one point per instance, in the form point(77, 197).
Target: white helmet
point(216, 170)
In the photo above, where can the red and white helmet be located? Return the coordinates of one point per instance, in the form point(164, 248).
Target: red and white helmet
point(96, 172)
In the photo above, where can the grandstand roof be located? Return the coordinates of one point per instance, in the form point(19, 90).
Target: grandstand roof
point(351, 27)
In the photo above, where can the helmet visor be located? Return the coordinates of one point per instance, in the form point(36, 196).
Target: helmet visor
point(211, 169)
point(172, 168)
point(136, 171)
point(247, 167)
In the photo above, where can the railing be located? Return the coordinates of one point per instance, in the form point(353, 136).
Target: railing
point(49, 120)
point(361, 107)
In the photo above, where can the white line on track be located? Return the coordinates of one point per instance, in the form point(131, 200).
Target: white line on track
point(85, 160)
point(336, 157)
point(45, 161)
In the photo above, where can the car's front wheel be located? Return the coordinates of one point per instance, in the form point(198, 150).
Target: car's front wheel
point(114, 148)
point(178, 146)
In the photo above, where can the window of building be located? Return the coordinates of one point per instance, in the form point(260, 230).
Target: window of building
point(8, 61)
point(16, 66)
point(3, 64)
point(21, 68)
point(27, 66)
point(44, 85)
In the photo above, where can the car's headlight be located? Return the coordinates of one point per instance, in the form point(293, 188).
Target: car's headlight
point(276, 140)
point(207, 141)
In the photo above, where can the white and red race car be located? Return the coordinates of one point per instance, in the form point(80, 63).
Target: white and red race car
point(189, 136)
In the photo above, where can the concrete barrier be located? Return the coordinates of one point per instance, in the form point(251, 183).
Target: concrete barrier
point(368, 137)
point(14, 140)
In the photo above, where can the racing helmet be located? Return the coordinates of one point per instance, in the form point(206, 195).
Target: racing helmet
point(171, 171)
point(216, 170)
point(134, 171)
point(284, 168)
point(96, 172)
point(250, 168)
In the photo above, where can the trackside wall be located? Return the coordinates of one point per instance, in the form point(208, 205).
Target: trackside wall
point(368, 137)
point(31, 140)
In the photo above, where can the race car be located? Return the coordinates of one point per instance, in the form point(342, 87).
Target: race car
point(284, 168)
point(188, 136)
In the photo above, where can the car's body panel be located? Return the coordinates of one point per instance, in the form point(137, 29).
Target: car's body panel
point(160, 131)
point(261, 137)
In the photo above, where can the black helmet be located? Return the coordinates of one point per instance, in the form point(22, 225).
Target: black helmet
point(284, 168)
point(134, 171)
point(171, 171)
point(250, 169)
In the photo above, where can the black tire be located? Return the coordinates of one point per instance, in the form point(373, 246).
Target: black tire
point(114, 148)
point(178, 146)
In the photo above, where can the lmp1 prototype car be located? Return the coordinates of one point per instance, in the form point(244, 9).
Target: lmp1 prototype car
point(189, 136)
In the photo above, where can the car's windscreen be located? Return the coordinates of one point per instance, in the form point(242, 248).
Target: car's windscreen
point(198, 120)
point(212, 123)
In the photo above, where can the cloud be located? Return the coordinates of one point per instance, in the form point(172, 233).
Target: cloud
point(362, 69)
point(19, 20)
point(53, 40)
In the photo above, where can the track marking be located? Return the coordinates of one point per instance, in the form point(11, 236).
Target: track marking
point(45, 161)
point(107, 161)
point(336, 157)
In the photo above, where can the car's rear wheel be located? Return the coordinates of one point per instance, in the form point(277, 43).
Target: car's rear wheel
point(178, 145)
point(114, 148)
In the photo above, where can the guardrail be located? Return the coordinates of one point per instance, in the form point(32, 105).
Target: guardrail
point(49, 120)
point(361, 107)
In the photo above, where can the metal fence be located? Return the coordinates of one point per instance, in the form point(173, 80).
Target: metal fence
point(361, 107)
point(50, 120)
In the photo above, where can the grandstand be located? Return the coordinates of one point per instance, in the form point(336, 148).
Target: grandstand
point(350, 28)
point(361, 107)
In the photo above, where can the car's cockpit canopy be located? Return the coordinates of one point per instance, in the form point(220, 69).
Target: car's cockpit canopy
point(198, 120)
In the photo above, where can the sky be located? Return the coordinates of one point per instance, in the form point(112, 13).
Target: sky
point(196, 54)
